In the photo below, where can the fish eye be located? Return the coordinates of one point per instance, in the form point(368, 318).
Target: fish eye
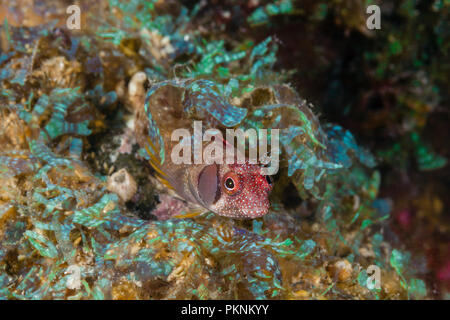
point(229, 183)
point(269, 180)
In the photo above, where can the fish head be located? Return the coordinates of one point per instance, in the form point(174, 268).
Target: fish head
point(235, 190)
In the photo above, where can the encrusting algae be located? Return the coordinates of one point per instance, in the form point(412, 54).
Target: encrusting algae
point(82, 215)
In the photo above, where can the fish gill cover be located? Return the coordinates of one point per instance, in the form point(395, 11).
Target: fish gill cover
point(66, 104)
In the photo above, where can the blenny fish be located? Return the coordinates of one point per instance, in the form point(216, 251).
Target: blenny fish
point(231, 190)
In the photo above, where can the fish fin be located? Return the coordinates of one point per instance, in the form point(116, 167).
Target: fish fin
point(190, 213)
point(165, 182)
point(151, 149)
point(156, 165)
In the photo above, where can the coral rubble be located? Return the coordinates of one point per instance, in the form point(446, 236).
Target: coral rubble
point(81, 216)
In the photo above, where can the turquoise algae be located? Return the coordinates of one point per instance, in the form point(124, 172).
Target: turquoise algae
point(58, 213)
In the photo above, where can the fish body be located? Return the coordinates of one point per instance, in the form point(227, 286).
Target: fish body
point(236, 190)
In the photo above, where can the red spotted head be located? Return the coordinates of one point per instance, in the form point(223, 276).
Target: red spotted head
point(235, 190)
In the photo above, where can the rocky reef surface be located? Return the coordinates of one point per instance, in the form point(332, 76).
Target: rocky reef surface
point(81, 216)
